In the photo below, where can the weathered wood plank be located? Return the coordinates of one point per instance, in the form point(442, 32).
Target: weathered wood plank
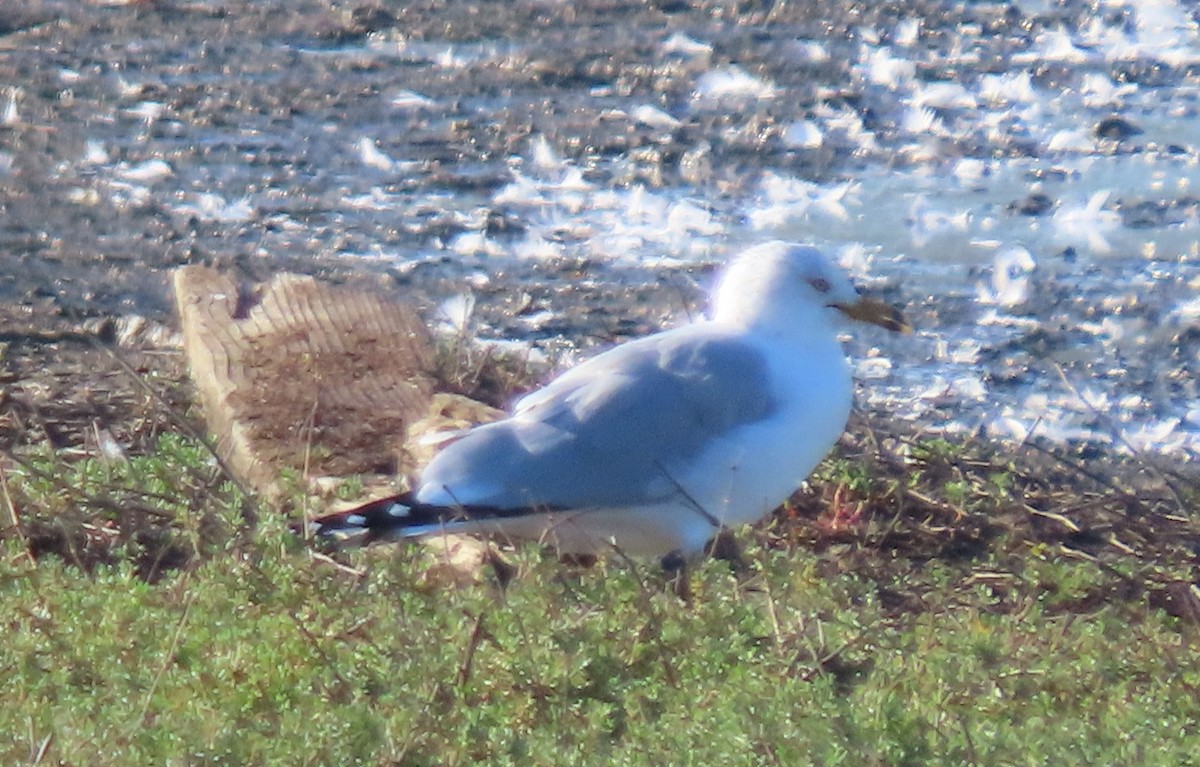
point(304, 375)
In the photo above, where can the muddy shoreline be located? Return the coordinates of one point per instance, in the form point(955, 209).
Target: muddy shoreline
point(420, 149)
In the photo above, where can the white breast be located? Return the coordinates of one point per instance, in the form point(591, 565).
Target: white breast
point(753, 469)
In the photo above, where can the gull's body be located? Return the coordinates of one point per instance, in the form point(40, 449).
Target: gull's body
point(655, 445)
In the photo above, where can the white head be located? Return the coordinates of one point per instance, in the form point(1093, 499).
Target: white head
point(789, 286)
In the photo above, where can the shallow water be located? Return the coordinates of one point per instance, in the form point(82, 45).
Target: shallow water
point(1021, 177)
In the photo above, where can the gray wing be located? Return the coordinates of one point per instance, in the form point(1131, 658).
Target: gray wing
point(613, 431)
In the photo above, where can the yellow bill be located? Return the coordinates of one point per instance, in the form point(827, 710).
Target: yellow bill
point(876, 312)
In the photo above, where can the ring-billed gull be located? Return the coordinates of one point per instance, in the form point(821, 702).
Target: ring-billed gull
point(656, 445)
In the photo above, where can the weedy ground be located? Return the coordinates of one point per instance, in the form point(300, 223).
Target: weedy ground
point(920, 602)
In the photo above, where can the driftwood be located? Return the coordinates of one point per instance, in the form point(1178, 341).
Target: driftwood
point(303, 375)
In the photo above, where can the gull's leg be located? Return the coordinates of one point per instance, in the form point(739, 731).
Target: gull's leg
point(582, 561)
point(725, 547)
point(502, 570)
point(676, 566)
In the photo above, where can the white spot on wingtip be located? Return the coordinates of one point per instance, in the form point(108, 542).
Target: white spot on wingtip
point(398, 510)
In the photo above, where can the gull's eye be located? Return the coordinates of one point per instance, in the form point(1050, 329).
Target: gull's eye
point(820, 284)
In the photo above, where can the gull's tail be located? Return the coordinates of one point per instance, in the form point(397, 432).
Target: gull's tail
point(386, 519)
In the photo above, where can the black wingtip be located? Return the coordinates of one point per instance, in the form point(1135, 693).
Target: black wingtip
point(401, 516)
point(377, 520)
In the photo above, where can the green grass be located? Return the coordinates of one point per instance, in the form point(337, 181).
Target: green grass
point(241, 647)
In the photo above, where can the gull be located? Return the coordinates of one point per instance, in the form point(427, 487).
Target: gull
point(656, 445)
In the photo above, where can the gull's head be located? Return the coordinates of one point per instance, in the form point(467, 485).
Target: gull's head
point(781, 282)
